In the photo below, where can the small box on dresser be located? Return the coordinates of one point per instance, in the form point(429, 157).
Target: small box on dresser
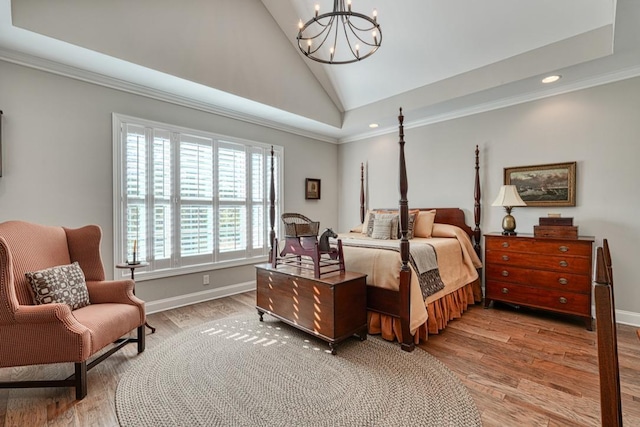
point(561, 231)
point(547, 273)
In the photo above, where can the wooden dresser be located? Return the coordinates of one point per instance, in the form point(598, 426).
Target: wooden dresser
point(548, 273)
point(333, 307)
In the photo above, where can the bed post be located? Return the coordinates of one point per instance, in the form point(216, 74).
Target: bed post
point(476, 208)
point(272, 211)
point(361, 193)
point(407, 343)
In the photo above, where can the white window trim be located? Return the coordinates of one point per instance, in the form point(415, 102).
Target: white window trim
point(119, 232)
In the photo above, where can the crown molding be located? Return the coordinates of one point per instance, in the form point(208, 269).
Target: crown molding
point(64, 70)
point(586, 83)
point(57, 68)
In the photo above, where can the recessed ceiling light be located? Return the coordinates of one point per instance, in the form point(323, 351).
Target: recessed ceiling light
point(373, 125)
point(551, 79)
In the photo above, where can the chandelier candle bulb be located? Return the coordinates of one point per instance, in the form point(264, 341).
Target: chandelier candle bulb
point(375, 15)
point(349, 5)
point(317, 9)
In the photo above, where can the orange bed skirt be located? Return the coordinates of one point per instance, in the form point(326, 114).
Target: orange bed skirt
point(441, 311)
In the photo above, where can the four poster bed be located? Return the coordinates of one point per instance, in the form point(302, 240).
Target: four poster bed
point(412, 289)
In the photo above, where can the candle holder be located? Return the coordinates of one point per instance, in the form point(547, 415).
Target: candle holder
point(135, 261)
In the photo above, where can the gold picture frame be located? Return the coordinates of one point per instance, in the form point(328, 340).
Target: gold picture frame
point(312, 189)
point(550, 185)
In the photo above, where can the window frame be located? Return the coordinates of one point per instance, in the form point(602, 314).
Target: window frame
point(174, 267)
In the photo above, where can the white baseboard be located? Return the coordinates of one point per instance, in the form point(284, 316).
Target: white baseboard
point(622, 316)
point(196, 297)
point(628, 318)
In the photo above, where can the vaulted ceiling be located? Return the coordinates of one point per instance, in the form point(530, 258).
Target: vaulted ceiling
point(438, 59)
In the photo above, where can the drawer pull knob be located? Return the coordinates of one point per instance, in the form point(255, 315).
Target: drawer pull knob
point(505, 244)
point(505, 257)
point(563, 281)
point(564, 249)
point(563, 300)
point(505, 273)
point(564, 264)
point(505, 290)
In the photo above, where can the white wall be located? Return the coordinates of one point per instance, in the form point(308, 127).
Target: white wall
point(57, 161)
point(235, 45)
point(599, 128)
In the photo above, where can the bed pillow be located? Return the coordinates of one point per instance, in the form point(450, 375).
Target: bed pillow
point(413, 216)
point(357, 229)
point(382, 228)
point(424, 223)
point(367, 227)
point(365, 223)
point(382, 220)
point(62, 284)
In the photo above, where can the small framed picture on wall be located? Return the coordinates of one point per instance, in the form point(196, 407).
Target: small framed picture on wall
point(312, 189)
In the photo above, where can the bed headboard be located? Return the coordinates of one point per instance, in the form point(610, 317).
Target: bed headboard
point(453, 216)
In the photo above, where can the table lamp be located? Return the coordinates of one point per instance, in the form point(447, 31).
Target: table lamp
point(508, 197)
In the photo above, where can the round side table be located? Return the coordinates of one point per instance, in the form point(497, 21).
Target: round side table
point(133, 268)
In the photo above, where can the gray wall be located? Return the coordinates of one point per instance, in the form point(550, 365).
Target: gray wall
point(57, 161)
point(598, 128)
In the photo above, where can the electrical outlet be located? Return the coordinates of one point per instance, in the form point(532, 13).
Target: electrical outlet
point(205, 279)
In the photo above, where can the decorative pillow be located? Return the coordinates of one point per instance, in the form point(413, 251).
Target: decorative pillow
point(365, 223)
point(374, 216)
point(413, 216)
point(424, 223)
point(367, 227)
point(64, 283)
point(357, 229)
point(382, 228)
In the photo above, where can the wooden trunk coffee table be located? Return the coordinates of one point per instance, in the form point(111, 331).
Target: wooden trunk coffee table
point(332, 308)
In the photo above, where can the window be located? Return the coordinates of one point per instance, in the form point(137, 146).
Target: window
point(190, 201)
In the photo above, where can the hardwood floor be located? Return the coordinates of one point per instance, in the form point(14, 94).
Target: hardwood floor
point(522, 368)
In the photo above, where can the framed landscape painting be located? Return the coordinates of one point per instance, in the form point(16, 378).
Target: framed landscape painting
point(544, 185)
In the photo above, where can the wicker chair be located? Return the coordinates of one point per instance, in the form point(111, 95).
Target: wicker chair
point(297, 225)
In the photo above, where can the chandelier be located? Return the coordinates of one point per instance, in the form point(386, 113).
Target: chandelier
point(350, 36)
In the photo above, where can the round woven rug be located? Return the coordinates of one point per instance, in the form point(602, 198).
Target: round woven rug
point(242, 372)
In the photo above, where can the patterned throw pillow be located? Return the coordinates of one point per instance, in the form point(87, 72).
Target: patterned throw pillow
point(374, 216)
point(382, 228)
point(64, 283)
point(412, 222)
point(368, 224)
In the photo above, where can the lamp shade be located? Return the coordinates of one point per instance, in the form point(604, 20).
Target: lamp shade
point(508, 196)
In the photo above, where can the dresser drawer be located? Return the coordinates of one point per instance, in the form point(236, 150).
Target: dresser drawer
point(565, 302)
point(561, 263)
point(539, 278)
point(541, 246)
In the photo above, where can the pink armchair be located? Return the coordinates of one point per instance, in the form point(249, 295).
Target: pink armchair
point(54, 333)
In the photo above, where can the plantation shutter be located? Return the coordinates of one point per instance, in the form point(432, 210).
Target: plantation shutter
point(196, 199)
point(188, 200)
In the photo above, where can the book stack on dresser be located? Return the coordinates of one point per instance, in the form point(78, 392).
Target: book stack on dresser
point(556, 227)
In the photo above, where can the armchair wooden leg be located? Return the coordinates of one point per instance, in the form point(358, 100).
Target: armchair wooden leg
point(141, 338)
point(81, 380)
